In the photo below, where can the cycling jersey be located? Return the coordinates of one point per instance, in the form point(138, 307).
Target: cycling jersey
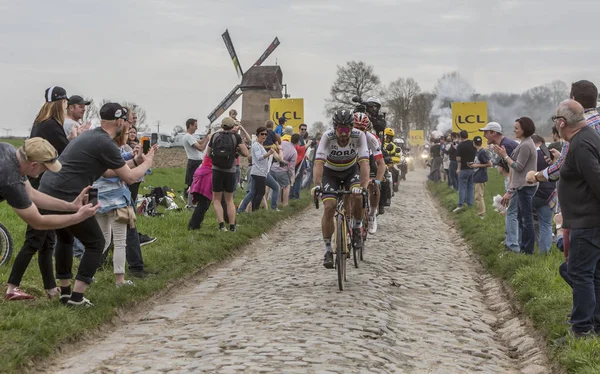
point(338, 158)
point(374, 146)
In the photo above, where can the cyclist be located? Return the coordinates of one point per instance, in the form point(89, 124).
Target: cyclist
point(376, 163)
point(341, 152)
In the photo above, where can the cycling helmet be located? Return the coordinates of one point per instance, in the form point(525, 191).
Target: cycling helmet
point(361, 121)
point(389, 132)
point(398, 141)
point(343, 117)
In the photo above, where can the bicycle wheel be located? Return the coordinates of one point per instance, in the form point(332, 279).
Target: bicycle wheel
point(6, 245)
point(340, 255)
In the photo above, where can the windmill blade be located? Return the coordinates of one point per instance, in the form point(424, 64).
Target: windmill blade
point(232, 54)
point(267, 52)
point(228, 101)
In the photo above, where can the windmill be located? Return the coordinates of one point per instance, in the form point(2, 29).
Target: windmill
point(258, 84)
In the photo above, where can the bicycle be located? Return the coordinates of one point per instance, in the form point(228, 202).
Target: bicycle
point(6, 245)
point(342, 235)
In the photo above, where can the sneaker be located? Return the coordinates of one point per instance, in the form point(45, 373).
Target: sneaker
point(372, 225)
point(232, 228)
point(18, 294)
point(328, 260)
point(125, 283)
point(84, 303)
point(457, 209)
point(145, 239)
point(52, 293)
point(63, 299)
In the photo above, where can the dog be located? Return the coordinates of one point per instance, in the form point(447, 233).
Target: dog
point(497, 204)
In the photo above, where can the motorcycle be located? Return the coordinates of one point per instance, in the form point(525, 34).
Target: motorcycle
point(403, 167)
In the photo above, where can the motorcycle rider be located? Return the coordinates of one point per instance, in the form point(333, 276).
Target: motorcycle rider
point(373, 106)
point(393, 157)
point(377, 166)
point(403, 158)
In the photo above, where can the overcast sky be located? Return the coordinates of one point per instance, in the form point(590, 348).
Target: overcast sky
point(168, 56)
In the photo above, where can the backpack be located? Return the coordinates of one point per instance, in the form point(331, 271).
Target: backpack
point(223, 150)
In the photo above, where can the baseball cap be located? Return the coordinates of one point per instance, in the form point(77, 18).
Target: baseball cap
point(492, 126)
point(40, 150)
point(112, 111)
point(55, 93)
point(227, 122)
point(477, 140)
point(76, 99)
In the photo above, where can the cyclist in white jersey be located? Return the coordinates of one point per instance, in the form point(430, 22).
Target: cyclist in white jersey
point(376, 165)
point(341, 153)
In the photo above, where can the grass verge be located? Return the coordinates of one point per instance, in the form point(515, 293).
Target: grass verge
point(544, 295)
point(30, 330)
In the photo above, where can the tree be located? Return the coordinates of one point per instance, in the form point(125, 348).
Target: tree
point(91, 112)
point(400, 96)
point(558, 90)
point(318, 127)
point(420, 113)
point(356, 78)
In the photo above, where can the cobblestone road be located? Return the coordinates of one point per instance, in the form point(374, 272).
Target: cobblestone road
point(419, 304)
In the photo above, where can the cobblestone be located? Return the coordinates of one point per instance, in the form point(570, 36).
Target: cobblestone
point(417, 304)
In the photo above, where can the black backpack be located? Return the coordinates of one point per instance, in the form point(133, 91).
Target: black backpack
point(223, 150)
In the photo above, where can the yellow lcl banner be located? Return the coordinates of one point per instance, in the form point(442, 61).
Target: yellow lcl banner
point(417, 137)
point(291, 109)
point(470, 116)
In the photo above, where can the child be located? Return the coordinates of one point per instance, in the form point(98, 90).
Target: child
point(480, 164)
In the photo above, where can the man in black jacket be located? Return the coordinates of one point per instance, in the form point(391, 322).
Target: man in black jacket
point(579, 196)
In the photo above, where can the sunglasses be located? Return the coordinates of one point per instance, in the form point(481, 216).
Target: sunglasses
point(263, 134)
point(343, 130)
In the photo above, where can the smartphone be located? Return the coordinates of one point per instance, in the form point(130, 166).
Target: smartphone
point(93, 196)
point(154, 139)
point(546, 151)
point(146, 145)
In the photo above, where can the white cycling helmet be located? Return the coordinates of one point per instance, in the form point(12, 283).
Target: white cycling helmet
point(399, 141)
point(373, 100)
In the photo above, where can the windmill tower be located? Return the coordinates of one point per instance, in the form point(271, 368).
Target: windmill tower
point(259, 84)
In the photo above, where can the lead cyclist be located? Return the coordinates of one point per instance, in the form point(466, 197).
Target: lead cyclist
point(376, 165)
point(342, 157)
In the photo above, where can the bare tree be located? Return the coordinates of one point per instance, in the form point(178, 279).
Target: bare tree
point(356, 78)
point(92, 112)
point(420, 111)
point(400, 96)
point(559, 91)
point(318, 127)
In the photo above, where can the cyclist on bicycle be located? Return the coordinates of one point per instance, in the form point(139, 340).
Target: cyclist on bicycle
point(376, 163)
point(341, 152)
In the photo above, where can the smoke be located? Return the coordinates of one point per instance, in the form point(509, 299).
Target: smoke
point(450, 87)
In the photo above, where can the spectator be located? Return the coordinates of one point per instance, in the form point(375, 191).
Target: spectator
point(114, 195)
point(284, 172)
point(76, 107)
point(493, 133)
point(522, 161)
point(446, 160)
point(201, 191)
point(36, 156)
point(480, 177)
point(272, 138)
point(279, 128)
point(261, 158)
point(288, 131)
point(193, 149)
point(557, 140)
point(436, 161)
point(465, 154)
point(301, 163)
point(132, 140)
point(223, 147)
point(311, 154)
point(579, 196)
point(544, 201)
point(453, 164)
point(84, 161)
point(48, 125)
point(303, 134)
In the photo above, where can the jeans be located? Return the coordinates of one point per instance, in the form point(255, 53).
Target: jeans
point(466, 188)
point(249, 196)
point(273, 185)
point(42, 242)
point(584, 270)
point(527, 229)
point(511, 220)
point(199, 212)
point(452, 177)
point(544, 214)
point(295, 191)
point(90, 234)
point(259, 189)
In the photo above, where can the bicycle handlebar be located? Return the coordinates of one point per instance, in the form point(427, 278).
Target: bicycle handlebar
point(338, 193)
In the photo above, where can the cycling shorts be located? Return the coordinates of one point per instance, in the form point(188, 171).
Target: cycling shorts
point(373, 166)
point(334, 180)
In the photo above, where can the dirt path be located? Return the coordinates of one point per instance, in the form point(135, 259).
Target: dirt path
point(419, 304)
